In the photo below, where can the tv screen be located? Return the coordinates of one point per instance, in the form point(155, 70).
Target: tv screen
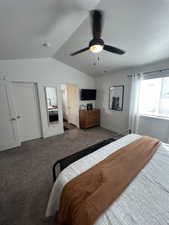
point(87, 94)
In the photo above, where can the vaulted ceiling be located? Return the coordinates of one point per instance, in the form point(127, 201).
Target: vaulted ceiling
point(26, 24)
point(141, 27)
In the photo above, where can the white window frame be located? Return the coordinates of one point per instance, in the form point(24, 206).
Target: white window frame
point(156, 114)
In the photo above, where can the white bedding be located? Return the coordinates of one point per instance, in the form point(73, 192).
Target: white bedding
point(144, 202)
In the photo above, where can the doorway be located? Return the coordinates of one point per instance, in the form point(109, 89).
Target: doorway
point(70, 106)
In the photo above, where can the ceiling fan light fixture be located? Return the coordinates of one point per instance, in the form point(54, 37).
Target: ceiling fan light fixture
point(96, 48)
point(96, 45)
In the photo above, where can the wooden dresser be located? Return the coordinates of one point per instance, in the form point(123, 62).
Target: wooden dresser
point(89, 118)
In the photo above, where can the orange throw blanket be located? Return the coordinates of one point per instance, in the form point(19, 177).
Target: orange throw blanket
point(88, 195)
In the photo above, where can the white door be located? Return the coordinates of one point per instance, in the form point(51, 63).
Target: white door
point(27, 107)
point(8, 122)
point(73, 104)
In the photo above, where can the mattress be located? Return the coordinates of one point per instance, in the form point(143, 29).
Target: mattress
point(144, 202)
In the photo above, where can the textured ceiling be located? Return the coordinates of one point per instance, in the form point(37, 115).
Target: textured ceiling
point(139, 27)
point(26, 24)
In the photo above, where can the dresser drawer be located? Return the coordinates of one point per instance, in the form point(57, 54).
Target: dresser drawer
point(89, 118)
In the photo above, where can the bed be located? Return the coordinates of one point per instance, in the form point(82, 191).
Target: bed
point(144, 202)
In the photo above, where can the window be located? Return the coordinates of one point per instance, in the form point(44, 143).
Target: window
point(154, 97)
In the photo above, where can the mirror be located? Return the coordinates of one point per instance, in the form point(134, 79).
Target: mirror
point(52, 104)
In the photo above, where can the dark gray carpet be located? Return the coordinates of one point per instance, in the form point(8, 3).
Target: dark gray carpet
point(26, 174)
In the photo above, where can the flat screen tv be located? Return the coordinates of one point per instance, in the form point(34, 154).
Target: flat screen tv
point(87, 94)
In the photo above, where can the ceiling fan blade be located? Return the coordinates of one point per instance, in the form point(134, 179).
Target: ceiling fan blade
point(113, 49)
point(97, 21)
point(80, 51)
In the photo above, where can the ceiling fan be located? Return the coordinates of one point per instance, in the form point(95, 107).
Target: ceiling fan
point(96, 45)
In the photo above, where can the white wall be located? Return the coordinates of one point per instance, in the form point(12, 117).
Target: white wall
point(155, 127)
point(117, 121)
point(110, 119)
point(50, 71)
point(44, 72)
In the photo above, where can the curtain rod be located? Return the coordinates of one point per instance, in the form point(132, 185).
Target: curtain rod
point(153, 71)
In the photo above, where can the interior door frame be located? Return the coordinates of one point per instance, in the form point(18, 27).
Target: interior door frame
point(77, 99)
point(12, 111)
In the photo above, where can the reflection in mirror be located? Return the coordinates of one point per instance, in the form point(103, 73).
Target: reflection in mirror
point(52, 104)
